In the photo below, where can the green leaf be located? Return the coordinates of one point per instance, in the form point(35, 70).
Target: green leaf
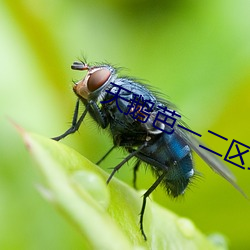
point(107, 215)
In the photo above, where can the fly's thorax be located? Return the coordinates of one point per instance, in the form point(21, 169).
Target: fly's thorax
point(95, 81)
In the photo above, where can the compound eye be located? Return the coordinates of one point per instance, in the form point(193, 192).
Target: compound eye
point(97, 79)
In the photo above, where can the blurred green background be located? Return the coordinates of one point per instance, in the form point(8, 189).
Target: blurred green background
point(196, 52)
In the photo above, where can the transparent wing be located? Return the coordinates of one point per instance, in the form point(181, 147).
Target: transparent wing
point(214, 162)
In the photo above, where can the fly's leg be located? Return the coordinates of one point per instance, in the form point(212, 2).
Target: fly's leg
point(91, 107)
point(75, 124)
point(136, 167)
point(97, 114)
point(125, 160)
point(145, 196)
point(105, 155)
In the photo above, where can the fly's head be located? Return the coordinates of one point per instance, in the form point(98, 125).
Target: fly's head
point(95, 80)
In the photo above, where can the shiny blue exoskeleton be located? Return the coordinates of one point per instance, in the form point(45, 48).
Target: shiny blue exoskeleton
point(111, 101)
point(167, 154)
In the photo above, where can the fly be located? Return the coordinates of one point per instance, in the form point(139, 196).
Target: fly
point(136, 118)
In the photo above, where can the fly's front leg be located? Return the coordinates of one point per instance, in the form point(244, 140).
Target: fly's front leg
point(75, 123)
point(97, 114)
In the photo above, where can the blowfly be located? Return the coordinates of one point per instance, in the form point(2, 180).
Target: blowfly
point(147, 126)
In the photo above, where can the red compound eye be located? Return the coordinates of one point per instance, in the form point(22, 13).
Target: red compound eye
point(97, 79)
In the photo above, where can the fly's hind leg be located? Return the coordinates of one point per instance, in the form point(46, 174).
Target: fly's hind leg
point(145, 196)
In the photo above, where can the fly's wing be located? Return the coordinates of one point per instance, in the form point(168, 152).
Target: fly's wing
point(210, 159)
point(217, 165)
